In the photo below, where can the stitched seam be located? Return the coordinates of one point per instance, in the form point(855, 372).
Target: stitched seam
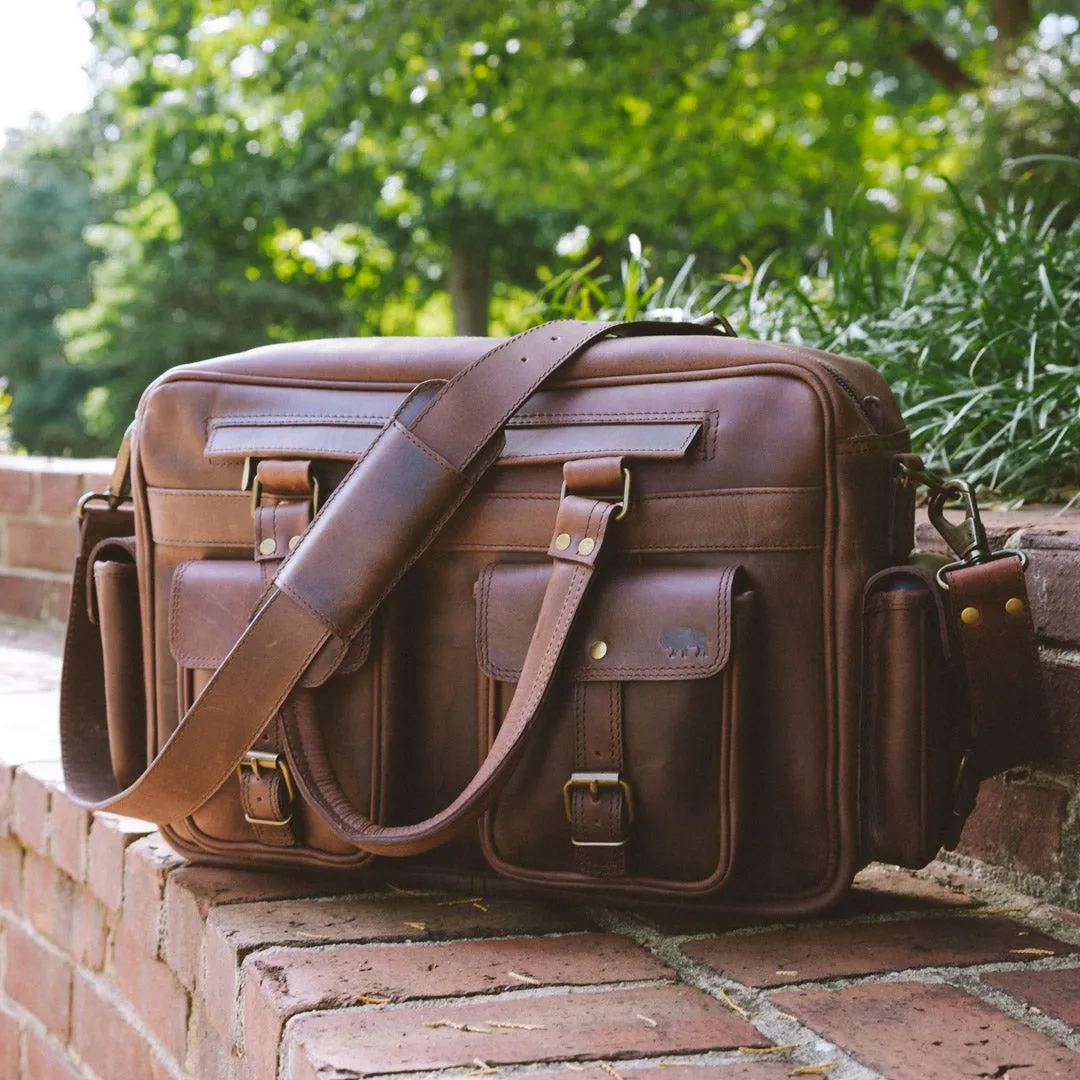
point(424, 448)
point(307, 447)
point(476, 365)
point(174, 600)
point(225, 775)
point(676, 449)
point(424, 544)
point(306, 606)
point(241, 419)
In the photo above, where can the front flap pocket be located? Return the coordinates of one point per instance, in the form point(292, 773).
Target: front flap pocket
point(259, 808)
point(212, 603)
point(632, 774)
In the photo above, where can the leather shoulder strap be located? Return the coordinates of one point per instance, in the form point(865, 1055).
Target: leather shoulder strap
point(398, 496)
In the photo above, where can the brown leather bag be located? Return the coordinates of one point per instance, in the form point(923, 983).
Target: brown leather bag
point(608, 609)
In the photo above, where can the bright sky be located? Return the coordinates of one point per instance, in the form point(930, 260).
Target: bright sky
point(44, 45)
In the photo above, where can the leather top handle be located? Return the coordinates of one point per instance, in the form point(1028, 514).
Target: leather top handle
point(400, 493)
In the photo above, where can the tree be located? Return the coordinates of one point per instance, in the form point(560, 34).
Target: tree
point(45, 204)
point(285, 168)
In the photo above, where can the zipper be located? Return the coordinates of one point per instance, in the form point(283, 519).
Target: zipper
point(836, 376)
point(846, 387)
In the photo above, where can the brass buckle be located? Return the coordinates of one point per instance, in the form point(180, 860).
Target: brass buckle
point(594, 781)
point(249, 481)
point(255, 760)
point(622, 506)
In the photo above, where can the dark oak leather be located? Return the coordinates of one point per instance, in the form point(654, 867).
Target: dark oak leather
point(607, 590)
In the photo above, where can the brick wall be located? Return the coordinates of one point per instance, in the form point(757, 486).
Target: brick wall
point(119, 962)
point(37, 531)
point(1026, 827)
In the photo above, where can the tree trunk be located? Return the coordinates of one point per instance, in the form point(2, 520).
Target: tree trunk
point(1010, 18)
point(470, 273)
point(928, 54)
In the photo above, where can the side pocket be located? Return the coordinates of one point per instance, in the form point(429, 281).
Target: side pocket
point(116, 599)
point(912, 720)
point(211, 603)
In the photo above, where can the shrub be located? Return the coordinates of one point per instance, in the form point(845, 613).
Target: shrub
point(980, 341)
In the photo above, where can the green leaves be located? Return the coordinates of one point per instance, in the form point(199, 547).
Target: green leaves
point(980, 343)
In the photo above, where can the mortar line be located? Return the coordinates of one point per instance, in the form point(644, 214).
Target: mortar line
point(811, 1048)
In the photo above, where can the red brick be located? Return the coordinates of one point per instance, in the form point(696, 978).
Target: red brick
point(9, 1047)
point(279, 983)
point(41, 545)
point(58, 492)
point(877, 890)
point(235, 930)
point(153, 992)
point(11, 864)
point(880, 889)
point(1018, 825)
point(68, 828)
point(757, 1070)
point(91, 932)
point(110, 836)
point(21, 596)
point(103, 1038)
point(49, 900)
point(192, 891)
point(147, 863)
point(1056, 993)
point(208, 1056)
point(32, 793)
point(1061, 681)
point(38, 977)
point(911, 1031)
point(43, 1062)
point(99, 479)
point(1053, 581)
point(15, 487)
point(1002, 525)
point(70, 916)
point(568, 1027)
point(806, 954)
point(7, 783)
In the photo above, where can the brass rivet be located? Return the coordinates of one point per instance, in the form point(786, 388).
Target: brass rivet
point(970, 616)
point(294, 542)
point(598, 650)
point(1014, 605)
point(267, 546)
point(586, 546)
point(562, 541)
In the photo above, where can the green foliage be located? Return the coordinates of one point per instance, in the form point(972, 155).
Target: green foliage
point(45, 203)
point(281, 169)
point(979, 341)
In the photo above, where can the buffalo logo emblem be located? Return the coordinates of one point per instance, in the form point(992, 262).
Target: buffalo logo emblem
point(683, 643)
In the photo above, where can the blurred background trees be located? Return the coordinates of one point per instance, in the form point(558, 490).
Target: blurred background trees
point(254, 171)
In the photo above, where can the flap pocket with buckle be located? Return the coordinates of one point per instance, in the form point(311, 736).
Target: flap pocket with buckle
point(641, 733)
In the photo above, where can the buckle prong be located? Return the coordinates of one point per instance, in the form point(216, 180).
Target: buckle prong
point(256, 760)
point(594, 781)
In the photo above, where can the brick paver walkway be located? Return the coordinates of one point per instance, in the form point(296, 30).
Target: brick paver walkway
point(121, 962)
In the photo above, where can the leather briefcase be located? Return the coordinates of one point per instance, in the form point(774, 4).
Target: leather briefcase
point(610, 609)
